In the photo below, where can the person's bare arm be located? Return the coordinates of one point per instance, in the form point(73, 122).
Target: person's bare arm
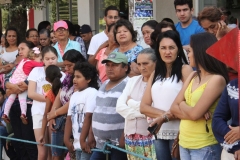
point(67, 134)
point(146, 103)
point(44, 121)
point(32, 92)
point(59, 111)
point(211, 93)
point(92, 59)
point(85, 131)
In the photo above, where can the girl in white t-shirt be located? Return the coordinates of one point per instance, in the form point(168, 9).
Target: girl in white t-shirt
point(81, 107)
point(37, 88)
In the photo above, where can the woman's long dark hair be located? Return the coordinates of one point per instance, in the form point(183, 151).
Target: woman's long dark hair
point(53, 75)
point(207, 62)
point(73, 56)
point(161, 69)
point(17, 36)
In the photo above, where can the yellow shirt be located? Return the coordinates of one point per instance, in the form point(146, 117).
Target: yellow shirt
point(193, 134)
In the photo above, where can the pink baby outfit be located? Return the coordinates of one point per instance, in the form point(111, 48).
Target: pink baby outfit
point(19, 75)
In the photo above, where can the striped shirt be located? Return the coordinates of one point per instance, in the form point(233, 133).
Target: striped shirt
point(107, 124)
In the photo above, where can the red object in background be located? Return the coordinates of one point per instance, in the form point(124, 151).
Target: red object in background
point(31, 18)
point(226, 49)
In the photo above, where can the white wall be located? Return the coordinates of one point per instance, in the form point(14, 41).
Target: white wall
point(39, 15)
point(84, 11)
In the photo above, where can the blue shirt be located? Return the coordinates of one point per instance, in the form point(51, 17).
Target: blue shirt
point(226, 109)
point(132, 53)
point(185, 33)
point(70, 45)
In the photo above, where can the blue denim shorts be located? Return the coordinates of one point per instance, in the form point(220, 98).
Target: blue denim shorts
point(82, 155)
point(212, 152)
point(57, 139)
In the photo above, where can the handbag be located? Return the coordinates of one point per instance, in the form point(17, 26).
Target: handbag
point(60, 122)
point(175, 153)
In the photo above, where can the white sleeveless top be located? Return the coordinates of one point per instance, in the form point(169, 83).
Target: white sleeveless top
point(8, 57)
point(163, 94)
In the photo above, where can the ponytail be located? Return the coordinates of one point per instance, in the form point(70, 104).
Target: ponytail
point(53, 75)
point(56, 85)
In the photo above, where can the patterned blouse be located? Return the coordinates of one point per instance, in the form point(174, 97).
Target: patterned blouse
point(66, 91)
point(132, 53)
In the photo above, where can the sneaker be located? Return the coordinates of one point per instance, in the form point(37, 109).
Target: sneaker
point(24, 119)
point(5, 118)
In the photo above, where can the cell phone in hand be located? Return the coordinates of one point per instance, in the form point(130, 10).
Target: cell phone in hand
point(152, 129)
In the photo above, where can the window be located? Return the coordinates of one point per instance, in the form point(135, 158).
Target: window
point(65, 10)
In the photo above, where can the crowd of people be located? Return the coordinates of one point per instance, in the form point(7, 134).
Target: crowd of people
point(66, 87)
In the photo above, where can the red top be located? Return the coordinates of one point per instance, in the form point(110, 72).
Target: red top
point(28, 66)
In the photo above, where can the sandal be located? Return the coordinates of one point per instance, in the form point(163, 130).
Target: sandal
point(24, 119)
point(5, 118)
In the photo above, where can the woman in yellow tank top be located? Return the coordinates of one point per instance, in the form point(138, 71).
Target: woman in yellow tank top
point(197, 101)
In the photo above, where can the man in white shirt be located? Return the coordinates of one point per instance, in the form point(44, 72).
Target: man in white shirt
point(111, 16)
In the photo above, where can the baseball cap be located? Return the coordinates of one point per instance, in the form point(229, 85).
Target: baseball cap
point(116, 57)
point(59, 24)
point(85, 29)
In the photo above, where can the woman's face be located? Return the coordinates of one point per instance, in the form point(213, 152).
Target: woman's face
point(168, 50)
point(123, 35)
point(147, 31)
point(53, 38)
point(69, 67)
point(61, 33)
point(111, 35)
point(145, 65)
point(11, 37)
point(49, 58)
point(44, 40)
point(209, 26)
point(33, 37)
point(166, 29)
point(191, 59)
point(2, 41)
point(23, 50)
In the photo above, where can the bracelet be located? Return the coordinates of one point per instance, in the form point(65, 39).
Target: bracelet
point(55, 113)
point(166, 119)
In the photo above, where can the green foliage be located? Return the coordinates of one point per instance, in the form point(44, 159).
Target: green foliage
point(22, 5)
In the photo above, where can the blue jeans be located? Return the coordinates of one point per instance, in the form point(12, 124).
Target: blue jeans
point(57, 139)
point(115, 155)
point(163, 149)
point(82, 155)
point(212, 152)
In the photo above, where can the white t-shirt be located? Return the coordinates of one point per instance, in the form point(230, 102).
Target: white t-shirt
point(96, 41)
point(38, 75)
point(80, 103)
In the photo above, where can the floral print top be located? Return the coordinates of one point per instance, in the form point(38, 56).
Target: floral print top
point(132, 53)
point(66, 91)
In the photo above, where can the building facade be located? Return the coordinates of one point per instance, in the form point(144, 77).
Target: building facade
point(92, 11)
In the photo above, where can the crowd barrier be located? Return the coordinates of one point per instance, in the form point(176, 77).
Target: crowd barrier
point(105, 149)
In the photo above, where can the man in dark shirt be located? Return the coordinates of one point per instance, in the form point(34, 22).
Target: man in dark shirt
point(86, 34)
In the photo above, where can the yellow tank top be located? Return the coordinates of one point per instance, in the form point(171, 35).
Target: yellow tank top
point(193, 134)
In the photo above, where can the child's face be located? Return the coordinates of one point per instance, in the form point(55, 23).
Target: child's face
point(49, 59)
point(79, 81)
point(38, 58)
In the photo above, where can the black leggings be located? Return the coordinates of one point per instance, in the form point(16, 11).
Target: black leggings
point(25, 151)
